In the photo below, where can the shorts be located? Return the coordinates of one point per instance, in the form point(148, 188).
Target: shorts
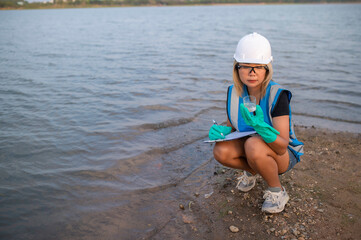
point(292, 163)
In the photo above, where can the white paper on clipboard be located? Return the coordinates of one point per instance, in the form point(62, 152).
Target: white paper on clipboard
point(231, 136)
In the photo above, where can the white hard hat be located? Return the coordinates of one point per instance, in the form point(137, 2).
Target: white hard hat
point(253, 48)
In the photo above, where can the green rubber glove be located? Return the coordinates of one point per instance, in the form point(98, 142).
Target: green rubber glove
point(216, 132)
point(268, 133)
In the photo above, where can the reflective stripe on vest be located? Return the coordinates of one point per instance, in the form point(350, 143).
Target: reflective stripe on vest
point(267, 104)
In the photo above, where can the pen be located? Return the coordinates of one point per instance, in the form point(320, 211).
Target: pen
point(214, 122)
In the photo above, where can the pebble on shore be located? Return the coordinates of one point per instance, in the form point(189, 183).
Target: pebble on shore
point(234, 229)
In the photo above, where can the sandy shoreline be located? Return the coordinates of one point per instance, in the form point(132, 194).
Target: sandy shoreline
point(324, 191)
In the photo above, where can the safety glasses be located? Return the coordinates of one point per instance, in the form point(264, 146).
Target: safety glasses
point(250, 69)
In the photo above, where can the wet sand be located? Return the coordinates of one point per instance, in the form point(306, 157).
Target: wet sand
point(324, 189)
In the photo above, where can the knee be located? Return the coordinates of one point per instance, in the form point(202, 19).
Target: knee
point(254, 150)
point(221, 153)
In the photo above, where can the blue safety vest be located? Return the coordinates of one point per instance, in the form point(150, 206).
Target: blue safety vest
point(267, 104)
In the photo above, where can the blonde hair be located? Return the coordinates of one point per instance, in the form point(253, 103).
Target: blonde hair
point(238, 84)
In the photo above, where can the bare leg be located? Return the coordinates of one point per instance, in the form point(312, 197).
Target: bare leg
point(265, 161)
point(232, 154)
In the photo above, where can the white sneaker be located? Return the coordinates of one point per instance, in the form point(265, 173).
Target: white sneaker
point(275, 201)
point(245, 182)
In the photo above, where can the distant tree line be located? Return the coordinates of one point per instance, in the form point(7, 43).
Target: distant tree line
point(83, 3)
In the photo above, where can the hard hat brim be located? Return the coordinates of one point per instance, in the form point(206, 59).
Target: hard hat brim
point(255, 61)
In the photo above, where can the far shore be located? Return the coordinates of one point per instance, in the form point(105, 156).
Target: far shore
point(67, 6)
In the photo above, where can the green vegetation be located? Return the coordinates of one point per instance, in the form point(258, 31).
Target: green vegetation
point(22, 4)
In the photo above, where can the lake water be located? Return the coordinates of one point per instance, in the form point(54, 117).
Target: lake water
point(103, 111)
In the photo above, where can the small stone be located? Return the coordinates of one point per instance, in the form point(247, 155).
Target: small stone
point(196, 194)
point(272, 229)
point(284, 231)
point(187, 219)
point(301, 238)
point(181, 206)
point(233, 229)
point(207, 195)
point(246, 196)
point(320, 210)
point(286, 215)
point(230, 212)
point(295, 232)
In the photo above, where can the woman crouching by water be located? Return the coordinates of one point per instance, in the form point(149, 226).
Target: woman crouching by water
point(275, 149)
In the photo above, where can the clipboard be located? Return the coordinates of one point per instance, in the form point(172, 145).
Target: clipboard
point(232, 136)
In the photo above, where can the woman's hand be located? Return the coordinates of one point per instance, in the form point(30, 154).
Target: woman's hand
point(268, 133)
point(218, 132)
